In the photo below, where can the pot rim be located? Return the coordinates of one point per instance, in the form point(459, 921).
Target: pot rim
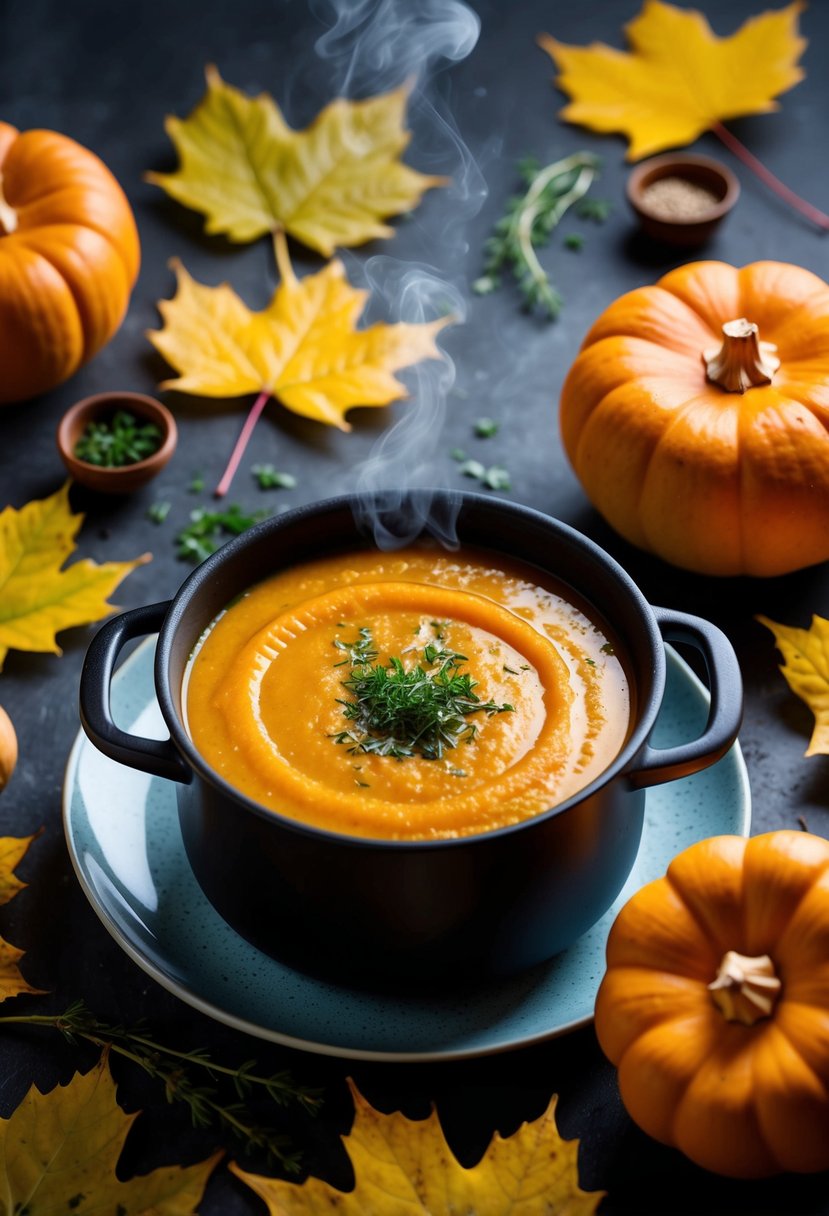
point(208, 569)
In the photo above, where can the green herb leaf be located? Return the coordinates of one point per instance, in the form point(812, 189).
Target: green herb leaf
point(118, 441)
point(269, 479)
point(398, 711)
point(485, 428)
point(197, 484)
point(497, 478)
point(458, 454)
point(206, 529)
point(596, 209)
point(574, 240)
point(158, 512)
point(473, 468)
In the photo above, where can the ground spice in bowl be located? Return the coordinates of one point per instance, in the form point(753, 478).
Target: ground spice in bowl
point(680, 198)
point(676, 198)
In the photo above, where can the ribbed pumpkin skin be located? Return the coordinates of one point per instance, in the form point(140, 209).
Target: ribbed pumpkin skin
point(713, 481)
point(745, 1101)
point(67, 269)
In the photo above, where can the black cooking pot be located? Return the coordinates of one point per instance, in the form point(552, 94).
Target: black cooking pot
point(486, 904)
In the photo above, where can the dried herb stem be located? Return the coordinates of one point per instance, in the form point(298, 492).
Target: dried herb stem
point(527, 223)
point(171, 1068)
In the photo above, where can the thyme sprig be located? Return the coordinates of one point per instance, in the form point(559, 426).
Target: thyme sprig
point(527, 223)
point(399, 711)
point(172, 1069)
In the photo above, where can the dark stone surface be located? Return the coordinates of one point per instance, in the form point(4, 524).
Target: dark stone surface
point(107, 74)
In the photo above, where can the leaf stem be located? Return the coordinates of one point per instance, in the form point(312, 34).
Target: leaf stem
point(283, 257)
point(241, 443)
point(768, 178)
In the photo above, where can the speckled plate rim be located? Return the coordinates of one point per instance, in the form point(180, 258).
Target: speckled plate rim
point(193, 999)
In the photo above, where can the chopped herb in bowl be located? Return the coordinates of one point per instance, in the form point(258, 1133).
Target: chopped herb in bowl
point(120, 440)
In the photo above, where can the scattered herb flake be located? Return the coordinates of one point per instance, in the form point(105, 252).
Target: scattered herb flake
point(574, 240)
point(204, 533)
point(473, 468)
point(270, 478)
point(607, 649)
point(458, 454)
point(158, 512)
point(511, 670)
point(197, 484)
point(485, 428)
point(497, 478)
point(596, 209)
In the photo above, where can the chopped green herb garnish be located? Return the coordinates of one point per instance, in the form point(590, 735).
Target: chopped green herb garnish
point(204, 533)
point(497, 478)
point(473, 468)
point(485, 428)
point(118, 441)
point(574, 240)
point(270, 479)
point(197, 484)
point(596, 209)
point(158, 512)
point(607, 649)
point(590, 662)
point(357, 653)
point(511, 670)
point(400, 712)
point(458, 454)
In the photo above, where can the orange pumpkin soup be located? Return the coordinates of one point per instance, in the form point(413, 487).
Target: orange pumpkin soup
point(413, 695)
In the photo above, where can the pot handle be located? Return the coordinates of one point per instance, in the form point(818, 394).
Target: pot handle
point(657, 764)
point(156, 756)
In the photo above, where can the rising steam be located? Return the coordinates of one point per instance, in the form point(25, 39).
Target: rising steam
point(373, 46)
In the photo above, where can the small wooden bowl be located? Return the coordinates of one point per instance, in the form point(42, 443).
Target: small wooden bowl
point(699, 171)
point(124, 478)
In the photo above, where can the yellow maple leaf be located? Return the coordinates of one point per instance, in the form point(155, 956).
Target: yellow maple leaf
point(806, 669)
point(680, 80)
point(37, 597)
point(12, 851)
point(59, 1150)
point(332, 184)
point(303, 348)
point(405, 1167)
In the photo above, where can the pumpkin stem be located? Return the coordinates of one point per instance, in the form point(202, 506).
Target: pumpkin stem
point(745, 989)
point(8, 215)
point(743, 361)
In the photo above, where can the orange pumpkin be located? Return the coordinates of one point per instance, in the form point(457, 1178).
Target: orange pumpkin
point(69, 257)
point(696, 417)
point(715, 1004)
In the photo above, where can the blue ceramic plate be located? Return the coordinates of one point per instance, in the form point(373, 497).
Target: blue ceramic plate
point(124, 840)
